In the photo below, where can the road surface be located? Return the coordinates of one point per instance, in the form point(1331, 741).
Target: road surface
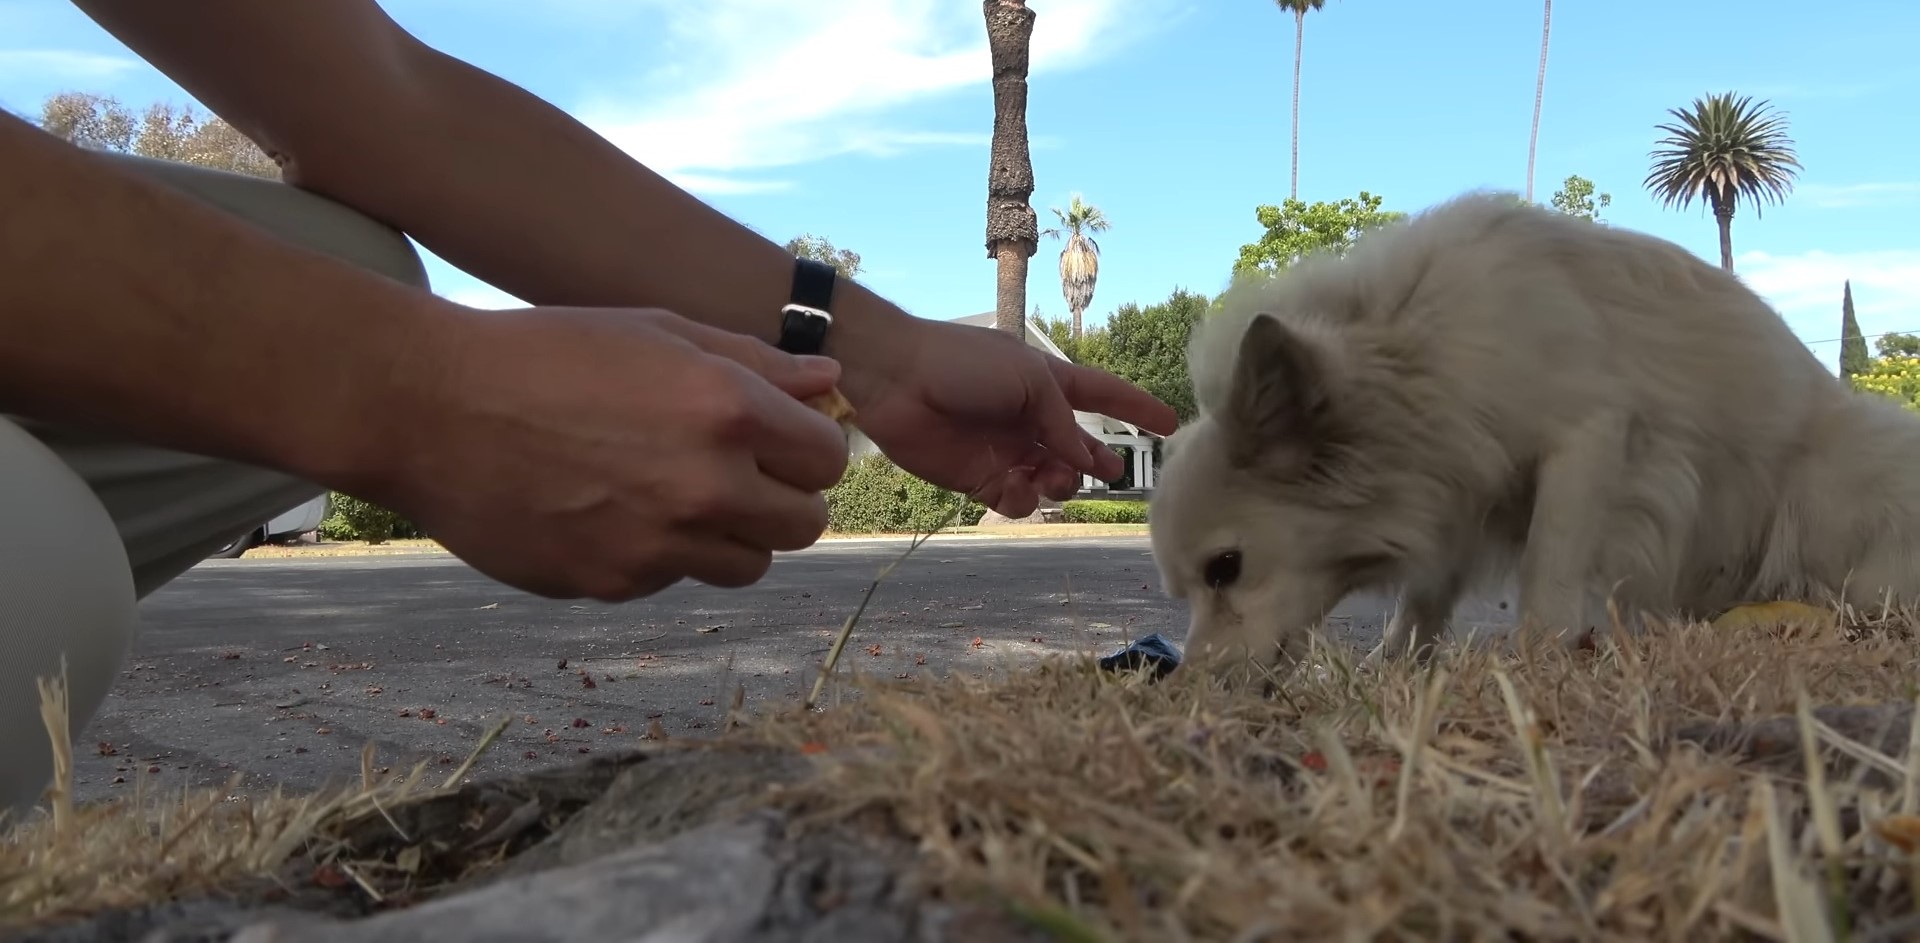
point(281, 670)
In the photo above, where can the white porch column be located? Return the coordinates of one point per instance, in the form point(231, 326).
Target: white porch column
point(1146, 456)
point(1139, 467)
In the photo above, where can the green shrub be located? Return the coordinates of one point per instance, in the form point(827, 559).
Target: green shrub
point(1895, 376)
point(876, 497)
point(354, 519)
point(1104, 512)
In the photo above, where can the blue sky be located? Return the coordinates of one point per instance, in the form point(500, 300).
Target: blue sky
point(866, 121)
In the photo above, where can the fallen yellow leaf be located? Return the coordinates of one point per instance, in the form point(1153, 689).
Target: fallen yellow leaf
point(1783, 613)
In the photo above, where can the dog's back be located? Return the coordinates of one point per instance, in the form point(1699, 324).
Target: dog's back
point(1531, 316)
point(1479, 339)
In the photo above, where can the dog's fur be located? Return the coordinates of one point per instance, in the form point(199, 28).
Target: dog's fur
point(1489, 385)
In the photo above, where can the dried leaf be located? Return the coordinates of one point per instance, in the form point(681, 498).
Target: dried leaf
point(1768, 614)
point(408, 860)
point(1900, 831)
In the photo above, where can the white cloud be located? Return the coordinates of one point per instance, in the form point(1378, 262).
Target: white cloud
point(787, 83)
point(65, 64)
point(1850, 195)
point(1806, 290)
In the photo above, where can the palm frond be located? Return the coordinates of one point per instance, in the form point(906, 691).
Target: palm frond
point(1078, 218)
point(1079, 271)
point(1723, 149)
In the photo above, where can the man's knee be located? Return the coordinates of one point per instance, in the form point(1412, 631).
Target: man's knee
point(295, 215)
point(175, 509)
point(66, 601)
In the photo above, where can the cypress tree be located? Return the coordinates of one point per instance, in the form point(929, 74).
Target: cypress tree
point(1853, 345)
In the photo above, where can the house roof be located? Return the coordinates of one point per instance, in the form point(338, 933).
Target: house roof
point(1037, 337)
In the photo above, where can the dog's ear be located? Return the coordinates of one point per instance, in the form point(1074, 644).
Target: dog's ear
point(1279, 399)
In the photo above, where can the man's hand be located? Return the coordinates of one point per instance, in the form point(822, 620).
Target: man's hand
point(975, 410)
point(610, 453)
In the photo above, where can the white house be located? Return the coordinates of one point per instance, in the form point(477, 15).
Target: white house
point(1105, 428)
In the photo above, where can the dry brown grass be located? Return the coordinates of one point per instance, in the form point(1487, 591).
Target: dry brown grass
point(70, 860)
point(1537, 796)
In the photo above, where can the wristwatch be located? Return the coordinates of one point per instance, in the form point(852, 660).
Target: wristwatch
point(807, 317)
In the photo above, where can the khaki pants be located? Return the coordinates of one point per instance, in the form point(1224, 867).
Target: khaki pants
point(91, 524)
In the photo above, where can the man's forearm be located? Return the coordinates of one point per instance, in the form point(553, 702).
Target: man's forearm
point(120, 298)
point(514, 190)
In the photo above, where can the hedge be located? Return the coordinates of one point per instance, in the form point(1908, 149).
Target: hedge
point(1094, 511)
point(354, 519)
point(876, 497)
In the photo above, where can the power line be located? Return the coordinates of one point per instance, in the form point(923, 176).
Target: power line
point(1836, 340)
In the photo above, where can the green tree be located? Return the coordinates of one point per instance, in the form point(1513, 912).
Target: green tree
point(1723, 149)
point(164, 132)
point(1576, 197)
point(1853, 346)
point(1080, 257)
point(1539, 95)
point(1090, 348)
point(1898, 345)
point(1296, 229)
point(1147, 346)
point(1299, 9)
point(1058, 330)
point(1013, 231)
point(817, 248)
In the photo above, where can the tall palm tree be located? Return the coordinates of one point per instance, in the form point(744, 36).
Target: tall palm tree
point(1299, 9)
point(1080, 257)
point(1013, 231)
point(1539, 94)
point(1724, 149)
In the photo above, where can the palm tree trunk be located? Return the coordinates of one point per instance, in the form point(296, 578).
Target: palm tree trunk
point(1725, 218)
point(1010, 288)
point(1013, 231)
point(1539, 94)
point(1299, 40)
point(1077, 312)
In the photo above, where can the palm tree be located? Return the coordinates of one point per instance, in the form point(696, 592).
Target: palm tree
point(1722, 150)
point(1013, 231)
point(1539, 94)
point(1080, 257)
point(1299, 9)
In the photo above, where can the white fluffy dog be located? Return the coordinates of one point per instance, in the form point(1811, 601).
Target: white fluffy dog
point(1489, 384)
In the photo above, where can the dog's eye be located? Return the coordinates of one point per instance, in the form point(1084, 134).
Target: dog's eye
point(1223, 569)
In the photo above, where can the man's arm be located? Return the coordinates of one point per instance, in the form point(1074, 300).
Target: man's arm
point(482, 173)
point(120, 298)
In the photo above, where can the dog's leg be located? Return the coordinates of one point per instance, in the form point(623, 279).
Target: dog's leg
point(1420, 617)
point(1573, 489)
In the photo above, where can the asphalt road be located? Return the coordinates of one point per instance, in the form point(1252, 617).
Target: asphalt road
point(283, 669)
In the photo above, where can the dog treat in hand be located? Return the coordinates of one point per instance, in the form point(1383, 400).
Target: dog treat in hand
point(834, 406)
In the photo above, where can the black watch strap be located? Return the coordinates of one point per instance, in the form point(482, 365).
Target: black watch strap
point(805, 320)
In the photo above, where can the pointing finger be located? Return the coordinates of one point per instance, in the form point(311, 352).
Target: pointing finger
point(1097, 391)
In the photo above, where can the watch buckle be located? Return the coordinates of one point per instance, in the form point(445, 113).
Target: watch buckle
point(807, 311)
